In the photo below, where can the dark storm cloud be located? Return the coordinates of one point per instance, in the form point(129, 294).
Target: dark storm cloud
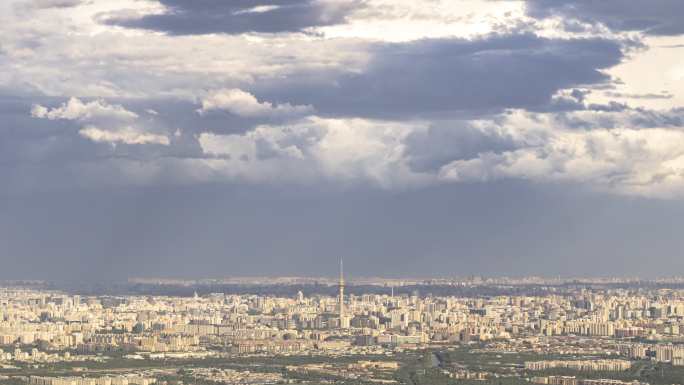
point(436, 76)
point(192, 17)
point(656, 17)
point(442, 143)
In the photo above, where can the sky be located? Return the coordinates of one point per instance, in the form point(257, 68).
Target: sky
point(415, 138)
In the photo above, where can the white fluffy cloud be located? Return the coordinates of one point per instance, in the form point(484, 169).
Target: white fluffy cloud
point(103, 122)
point(241, 103)
point(632, 161)
point(126, 135)
point(75, 109)
point(315, 149)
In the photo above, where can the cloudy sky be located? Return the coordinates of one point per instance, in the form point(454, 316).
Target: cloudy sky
point(411, 137)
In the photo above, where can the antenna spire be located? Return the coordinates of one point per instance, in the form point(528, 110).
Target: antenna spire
point(343, 322)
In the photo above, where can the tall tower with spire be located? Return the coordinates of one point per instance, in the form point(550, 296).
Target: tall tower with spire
point(344, 323)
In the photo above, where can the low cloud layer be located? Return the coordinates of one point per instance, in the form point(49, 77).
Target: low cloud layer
point(646, 161)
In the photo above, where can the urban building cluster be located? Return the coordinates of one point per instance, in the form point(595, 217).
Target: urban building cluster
point(116, 380)
point(571, 380)
point(584, 365)
point(668, 353)
point(234, 377)
point(36, 356)
point(615, 326)
point(77, 327)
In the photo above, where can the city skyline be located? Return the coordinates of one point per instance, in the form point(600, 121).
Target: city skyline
point(580, 334)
